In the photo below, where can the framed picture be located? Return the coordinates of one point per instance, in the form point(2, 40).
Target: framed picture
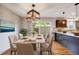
point(61, 23)
point(7, 26)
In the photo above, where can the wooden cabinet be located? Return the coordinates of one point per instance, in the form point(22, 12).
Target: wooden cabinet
point(69, 42)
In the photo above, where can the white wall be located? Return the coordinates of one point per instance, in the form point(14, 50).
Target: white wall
point(6, 14)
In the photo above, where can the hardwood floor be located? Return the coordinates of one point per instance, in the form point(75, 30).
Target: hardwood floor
point(57, 49)
point(7, 52)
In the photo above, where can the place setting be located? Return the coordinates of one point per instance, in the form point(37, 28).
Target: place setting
point(29, 39)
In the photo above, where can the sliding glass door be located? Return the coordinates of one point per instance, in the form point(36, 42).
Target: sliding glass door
point(42, 27)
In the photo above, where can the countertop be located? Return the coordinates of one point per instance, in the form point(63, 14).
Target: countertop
point(68, 33)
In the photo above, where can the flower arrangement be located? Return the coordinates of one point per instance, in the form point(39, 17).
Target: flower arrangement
point(23, 31)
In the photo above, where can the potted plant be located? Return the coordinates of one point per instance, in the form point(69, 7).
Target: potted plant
point(33, 33)
point(23, 31)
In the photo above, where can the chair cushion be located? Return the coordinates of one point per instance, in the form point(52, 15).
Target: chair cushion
point(13, 47)
point(46, 45)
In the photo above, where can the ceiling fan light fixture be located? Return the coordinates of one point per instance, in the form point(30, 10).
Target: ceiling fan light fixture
point(33, 14)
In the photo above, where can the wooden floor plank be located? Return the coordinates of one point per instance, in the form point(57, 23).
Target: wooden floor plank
point(7, 52)
point(58, 49)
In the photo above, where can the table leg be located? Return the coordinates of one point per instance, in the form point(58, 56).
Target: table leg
point(38, 48)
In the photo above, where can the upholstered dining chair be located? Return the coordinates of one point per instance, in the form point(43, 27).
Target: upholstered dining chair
point(48, 39)
point(12, 39)
point(46, 36)
point(20, 36)
point(24, 49)
point(46, 47)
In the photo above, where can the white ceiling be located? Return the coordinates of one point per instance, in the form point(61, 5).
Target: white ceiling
point(45, 9)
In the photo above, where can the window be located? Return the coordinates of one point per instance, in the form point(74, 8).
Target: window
point(71, 25)
point(42, 26)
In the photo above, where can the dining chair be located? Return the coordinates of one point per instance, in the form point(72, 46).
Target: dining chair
point(24, 49)
point(46, 47)
point(20, 36)
point(12, 39)
point(47, 36)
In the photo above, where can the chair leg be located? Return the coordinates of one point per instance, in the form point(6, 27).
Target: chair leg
point(11, 52)
point(40, 52)
point(14, 52)
point(50, 52)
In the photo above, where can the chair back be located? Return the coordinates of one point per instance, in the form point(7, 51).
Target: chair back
point(12, 39)
point(50, 41)
point(50, 44)
point(47, 36)
point(20, 36)
point(24, 49)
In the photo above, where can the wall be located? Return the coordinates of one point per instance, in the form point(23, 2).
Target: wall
point(6, 14)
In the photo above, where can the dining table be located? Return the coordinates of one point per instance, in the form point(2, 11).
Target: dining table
point(37, 39)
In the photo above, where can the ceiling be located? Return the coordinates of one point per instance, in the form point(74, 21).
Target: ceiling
point(45, 9)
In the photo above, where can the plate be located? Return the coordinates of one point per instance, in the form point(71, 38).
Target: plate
point(39, 38)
